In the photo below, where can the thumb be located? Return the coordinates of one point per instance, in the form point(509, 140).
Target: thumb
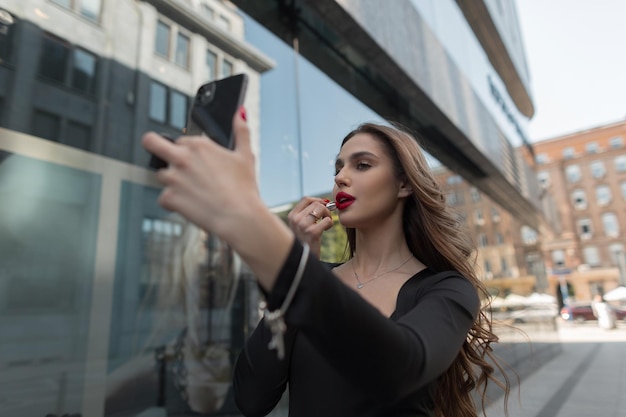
point(241, 131)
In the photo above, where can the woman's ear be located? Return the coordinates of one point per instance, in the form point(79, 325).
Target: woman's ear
point(405, 189)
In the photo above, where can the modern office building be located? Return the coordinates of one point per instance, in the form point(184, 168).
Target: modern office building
point(584, 173)
point(109, 304)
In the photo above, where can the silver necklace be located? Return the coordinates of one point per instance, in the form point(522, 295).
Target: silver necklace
point(360, 284)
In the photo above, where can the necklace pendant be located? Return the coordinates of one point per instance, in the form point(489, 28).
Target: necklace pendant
point(359, 286)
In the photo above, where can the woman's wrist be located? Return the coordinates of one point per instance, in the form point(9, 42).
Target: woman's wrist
point(260, 238)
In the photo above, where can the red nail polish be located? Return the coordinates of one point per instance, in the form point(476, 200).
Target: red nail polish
point(326, 200)
point(242, 112)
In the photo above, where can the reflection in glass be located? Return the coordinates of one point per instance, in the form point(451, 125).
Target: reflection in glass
point(64, 3)
point(178, 110)
point(158, 102)
point(53, 59)
point(48, 226)
point(46, 125)
point(211, 65)
point(176, 321)
point(84, 72)
point(182, 50)
point(90, 9)
point(162, 42)
point(78, 135)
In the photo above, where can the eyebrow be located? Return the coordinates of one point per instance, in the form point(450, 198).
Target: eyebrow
point(356, 155)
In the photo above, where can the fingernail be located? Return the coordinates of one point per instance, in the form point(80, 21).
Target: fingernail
point(326, 200)
point(242, 112)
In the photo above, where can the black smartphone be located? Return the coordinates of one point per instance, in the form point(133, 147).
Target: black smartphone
point(212, 112)
point(214, 106)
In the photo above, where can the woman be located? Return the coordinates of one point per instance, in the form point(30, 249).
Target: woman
point(395, 331)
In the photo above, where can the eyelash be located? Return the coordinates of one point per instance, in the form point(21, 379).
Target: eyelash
point(360, 166)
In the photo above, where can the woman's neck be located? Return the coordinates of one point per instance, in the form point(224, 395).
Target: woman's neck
point(380, 247)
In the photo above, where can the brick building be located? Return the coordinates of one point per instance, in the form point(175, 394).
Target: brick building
point(509, 257)
point(584, 177)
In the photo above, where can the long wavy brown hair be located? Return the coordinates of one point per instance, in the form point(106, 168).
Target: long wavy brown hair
point(432, 231)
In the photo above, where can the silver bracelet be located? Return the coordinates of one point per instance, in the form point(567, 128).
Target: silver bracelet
point(275, 319)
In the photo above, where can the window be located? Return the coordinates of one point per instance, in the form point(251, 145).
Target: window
point(455, 198)
point(211, 65)
point(178, 110)
point(480, 218)
point(597, 169)
point(544, 178)
point(223, 22)
point(487, 267)
point(573, 173)
point(499, 238)
point(227, 68)
point(603, 195)
point(208, 12)
point(168, 106)
point(541, 159)
point(579, 199)
point(591, 256)
point(90, 9)
point(611, 226)
point(158, 102)
point(584, 228)
point(558, 258)
point(63, 63)
point(616, 142)
point(504, 266)
point(529, 235)
point(162, 43)
point(172, 44)
point(7, 32)
point(78, 135)
point(616, 251)
point(84, 71)
point(622, 186)
point(46, 125)
point(54, 58)
point(475, 194)
point(454, 179)
point(620, 163)
point(495, 214)
point(482, 240)
point(568, 153)
point(592, 147)
point(86, 8)
point(182, 50)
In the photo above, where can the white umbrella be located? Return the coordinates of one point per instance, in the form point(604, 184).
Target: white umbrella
point(514, 300)
point(616, 294)
point(497, 302)
point(536, 298)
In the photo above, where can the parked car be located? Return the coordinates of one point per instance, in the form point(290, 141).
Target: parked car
point(584, 312)
point(536, 313)
point(620, 313)
point(577, 312)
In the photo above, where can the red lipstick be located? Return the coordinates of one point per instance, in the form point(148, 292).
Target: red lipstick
point(343, 200)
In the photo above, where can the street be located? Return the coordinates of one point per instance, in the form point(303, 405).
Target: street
point(588, 377)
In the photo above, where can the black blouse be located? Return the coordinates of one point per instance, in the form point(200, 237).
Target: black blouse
point(344, 358)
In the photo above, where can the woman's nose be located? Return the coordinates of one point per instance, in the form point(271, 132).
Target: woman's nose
point(341, 179)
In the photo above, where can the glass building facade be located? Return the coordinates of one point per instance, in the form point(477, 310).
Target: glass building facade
point(112, 306)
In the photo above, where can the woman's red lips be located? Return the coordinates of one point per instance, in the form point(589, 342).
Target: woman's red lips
point(343, 200)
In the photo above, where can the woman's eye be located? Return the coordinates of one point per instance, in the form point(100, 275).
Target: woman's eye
point(362, 165)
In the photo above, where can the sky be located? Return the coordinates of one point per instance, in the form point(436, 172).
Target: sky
point(577, 62)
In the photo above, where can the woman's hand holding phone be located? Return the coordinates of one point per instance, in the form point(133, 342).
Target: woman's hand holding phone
point(204, 181)
point(216, 188)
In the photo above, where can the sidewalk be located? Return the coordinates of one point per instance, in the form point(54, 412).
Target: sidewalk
point(588, 379)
